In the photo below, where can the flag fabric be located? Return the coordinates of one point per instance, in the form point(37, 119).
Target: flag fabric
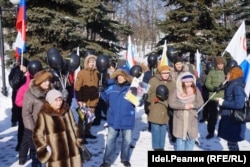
point(78, 69)
point(21, 27)
point(130, 62)
point(245, 66)
point(164, 58)
point(238, 50)
point(198, 63)
point(238, 46)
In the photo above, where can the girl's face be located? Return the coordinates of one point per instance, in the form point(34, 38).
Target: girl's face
point(220, 66)
point(91, 63)
point(45, 85)
point(121, 79)
point(188, 83)
point(57, 103)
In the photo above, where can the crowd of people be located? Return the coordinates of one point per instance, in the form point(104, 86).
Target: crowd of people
point(48, 131)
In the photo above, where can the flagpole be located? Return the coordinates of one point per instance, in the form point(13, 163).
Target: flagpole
point(4, 88)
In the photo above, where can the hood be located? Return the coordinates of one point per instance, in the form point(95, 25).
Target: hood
point(86, 60)
point(179, 82)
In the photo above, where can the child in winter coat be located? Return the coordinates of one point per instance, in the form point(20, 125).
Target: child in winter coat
point(185, 101)
point(120, 118)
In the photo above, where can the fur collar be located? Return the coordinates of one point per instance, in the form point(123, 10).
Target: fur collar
point(47, 109)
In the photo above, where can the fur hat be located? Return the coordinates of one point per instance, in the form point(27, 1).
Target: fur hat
point(235, 72)
point(42, 76)
point(219, 60)
point(123, 72)
point(163, 68)
point(178, 59)
point(52, 95)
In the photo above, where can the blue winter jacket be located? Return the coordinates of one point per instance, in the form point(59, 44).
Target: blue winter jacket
point(234, 99)
point(121, 113)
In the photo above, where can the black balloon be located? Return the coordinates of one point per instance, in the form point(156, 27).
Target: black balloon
point(72, 62)
point(54, 58)
point(152, 60)
point(230, 64)
point(102, 63)
point(209, 66)
point(34, 66)
point(171, 53)
point(55, 74)
point(136, 71)
point(162, 92)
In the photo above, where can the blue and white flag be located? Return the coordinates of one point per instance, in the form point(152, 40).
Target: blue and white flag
point(245, 65)
point(238, 50)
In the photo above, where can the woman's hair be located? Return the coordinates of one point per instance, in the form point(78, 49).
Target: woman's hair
point(184, 87)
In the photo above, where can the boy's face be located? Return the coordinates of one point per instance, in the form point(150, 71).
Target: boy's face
point(178, 66)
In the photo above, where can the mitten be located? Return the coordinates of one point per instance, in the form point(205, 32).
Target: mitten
point(48, 149)
point(220, 101)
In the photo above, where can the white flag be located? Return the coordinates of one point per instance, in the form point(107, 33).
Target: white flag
point(79, 68)
point(238, 46)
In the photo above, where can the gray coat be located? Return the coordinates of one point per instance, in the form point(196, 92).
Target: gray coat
point(180, 114)
point(32, 104)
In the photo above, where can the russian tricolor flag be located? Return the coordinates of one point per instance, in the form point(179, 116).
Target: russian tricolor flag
point(130, 61)
point(21, 27)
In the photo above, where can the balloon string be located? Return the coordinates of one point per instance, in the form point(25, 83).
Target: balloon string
point(66, 79)
point(100, 84)
point(61, 80)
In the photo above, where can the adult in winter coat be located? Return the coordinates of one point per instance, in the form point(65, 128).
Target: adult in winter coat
point(215, 78)
point(17, 78)
point(86, 87)
point(32, 103)
point(19, 104)
point(56, 135)
point(185, 101)
point(158, 112)
point(234, 99)
point(120, 118)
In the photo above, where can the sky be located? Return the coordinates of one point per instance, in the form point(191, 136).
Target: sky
point(141, 139)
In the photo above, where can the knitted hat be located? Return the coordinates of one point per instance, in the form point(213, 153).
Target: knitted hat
point(163, 68)
point(219, 60)
point(178, 59)
point(187, 78)
point(123, 72)
point(235, 72)
point(52, 95)
point(42, 76)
